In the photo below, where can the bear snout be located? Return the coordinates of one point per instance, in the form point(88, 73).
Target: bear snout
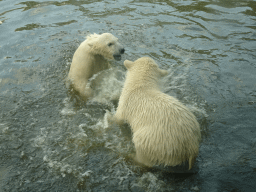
point(122, 51)
point(118, 56)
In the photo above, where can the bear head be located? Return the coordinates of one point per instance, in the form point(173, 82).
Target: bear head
point(145, 66)
point(106, 45)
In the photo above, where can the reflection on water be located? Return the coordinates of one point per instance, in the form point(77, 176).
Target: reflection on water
point(51, 140)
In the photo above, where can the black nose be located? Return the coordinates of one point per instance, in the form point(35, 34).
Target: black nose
point(122, 51)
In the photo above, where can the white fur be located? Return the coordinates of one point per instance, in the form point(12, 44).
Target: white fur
point(164, 130)
point(90, 58)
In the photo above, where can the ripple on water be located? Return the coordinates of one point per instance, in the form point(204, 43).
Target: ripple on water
point(52, 140)
point(82, 148)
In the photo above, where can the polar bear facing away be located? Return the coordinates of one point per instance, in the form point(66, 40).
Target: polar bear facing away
point(90, 58)
point(165, 132)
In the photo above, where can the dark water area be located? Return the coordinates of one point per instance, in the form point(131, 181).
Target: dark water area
point(51, 140)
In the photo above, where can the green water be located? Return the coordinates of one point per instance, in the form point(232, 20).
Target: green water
point(50, 140)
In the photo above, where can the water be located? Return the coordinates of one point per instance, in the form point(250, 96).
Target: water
point(50, 140)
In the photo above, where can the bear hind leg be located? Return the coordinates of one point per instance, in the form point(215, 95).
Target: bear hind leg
point(142, 159)
point(191, 161)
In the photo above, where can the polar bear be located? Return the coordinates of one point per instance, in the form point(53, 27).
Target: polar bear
point(164, 131)
point(90, 58)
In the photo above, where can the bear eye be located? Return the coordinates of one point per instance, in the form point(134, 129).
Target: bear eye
point(110, 44)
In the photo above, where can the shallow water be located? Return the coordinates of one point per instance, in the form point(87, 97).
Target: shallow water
point(50, 140)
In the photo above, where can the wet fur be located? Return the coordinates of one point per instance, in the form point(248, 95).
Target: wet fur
point(90, 58)
point(165, 132)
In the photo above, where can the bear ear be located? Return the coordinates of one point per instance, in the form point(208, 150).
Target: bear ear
point(128, 64)
point(163, 72)
point(91, 39)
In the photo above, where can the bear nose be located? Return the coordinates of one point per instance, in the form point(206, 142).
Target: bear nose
point(122, 51)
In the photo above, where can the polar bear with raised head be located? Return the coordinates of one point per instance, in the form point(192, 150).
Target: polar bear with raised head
point(165, 132)
point(90, 58)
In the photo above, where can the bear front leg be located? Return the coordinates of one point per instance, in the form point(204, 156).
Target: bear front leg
point(142, 160)
point(88, 92)
point(118, 118)
point(83, 89)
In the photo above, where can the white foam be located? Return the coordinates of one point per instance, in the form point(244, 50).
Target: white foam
point(68, 109)
point(73, 141)
point(3, 128)
point(87, 173)
point(107, 85)
point(176, 84)
point(150, 182)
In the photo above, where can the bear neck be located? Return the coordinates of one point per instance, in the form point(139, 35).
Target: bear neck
point(98, 56)
point(91, 51)
point(142, 81)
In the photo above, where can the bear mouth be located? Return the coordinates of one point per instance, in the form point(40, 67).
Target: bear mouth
point(117, 57)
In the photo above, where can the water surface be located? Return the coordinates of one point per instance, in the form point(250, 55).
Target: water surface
point(50, 140)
